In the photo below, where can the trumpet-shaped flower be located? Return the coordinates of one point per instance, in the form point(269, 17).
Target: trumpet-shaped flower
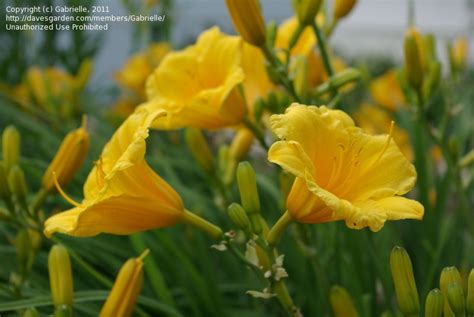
point(341, 172)
point(122, 193)
point(198, 86)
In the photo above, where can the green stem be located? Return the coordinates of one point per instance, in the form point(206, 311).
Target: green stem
point(323, 49)
point(282, 76)
point(285, 299)
point(256, 132)
point(212, 230)
point(277, 230)
point(39, 200)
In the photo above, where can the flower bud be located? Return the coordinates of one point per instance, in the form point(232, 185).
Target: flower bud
point(24, 251)
point(4, 187)
point(456, 299)
point(434, 304)
point(126, 289)
point(413, 58)
point(429, 43)
point(238, 216)
point(199, 148)
point(301, 79)
point(83, 74)
point(404, 281)
point(341, 302)
point(241, 144)
point(248, 20)
point(432, 80)
point(272, 30)
point(342, 8)
point(11, 141)
point(339, 80)
point(17, 183)
point(69, 158)
point(247, 183)
point(60, 276)
point(306, 10)
point(449, 275)
point(458, 53)
point(470, 293)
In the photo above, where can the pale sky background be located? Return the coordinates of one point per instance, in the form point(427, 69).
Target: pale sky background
point(375, 27)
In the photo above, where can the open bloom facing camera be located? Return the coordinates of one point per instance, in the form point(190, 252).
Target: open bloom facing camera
point(341, 172)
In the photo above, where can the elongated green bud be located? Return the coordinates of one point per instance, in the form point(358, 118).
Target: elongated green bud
point(470, 293)
point(24, 251)
point(272, 30)
point(306, 10)
point(199, 148)
point(432, 79)
point(449, 275)
point(247, 183)
point(434, 304)
point(11, 141)
point(241, 144)
point(238, 216)
point(456, 299)
point(404, 281)
point(429, 42)
point(4, 187)
point(339, 80)
point(17, 183)
point(60, 276)
point(248, 20)
point(413, 58)
point(300, 69)
point(341, 302)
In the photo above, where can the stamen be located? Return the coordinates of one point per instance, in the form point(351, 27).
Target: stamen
point(144, 254)
point(63, 194)
point(387, 143)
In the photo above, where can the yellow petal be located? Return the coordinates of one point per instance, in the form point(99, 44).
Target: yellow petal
point(116, 215)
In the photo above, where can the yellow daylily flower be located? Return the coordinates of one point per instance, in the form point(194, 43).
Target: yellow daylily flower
point(341, 172)
point(138, 67)
point(375, 120)
point(198, 86)
point(386, 91)
point(122, 193)
point(305, 43)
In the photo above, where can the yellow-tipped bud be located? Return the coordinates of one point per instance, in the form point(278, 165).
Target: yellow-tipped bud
point(341, 302)
point(460, 52)
point(434, 304)
point(83, 74)
point(404, 281)
point(413, 51)
point(248, 20)
point(456, 299)
point(247, 182)
point(470, 293)
point(126, 289)
point(343, 8)
point(11, 142)
point(272, 30)
point(449, 275)
point(301, 76)
point(241, 144)
point(17, 183)
point(68, 159)
point(199, 148)
point(4, 187)
point(306, 10)
point(60, 276)
point(238, 216)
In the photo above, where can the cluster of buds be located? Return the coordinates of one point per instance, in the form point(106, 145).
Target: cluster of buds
point(449, 300)
point(422, 68)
